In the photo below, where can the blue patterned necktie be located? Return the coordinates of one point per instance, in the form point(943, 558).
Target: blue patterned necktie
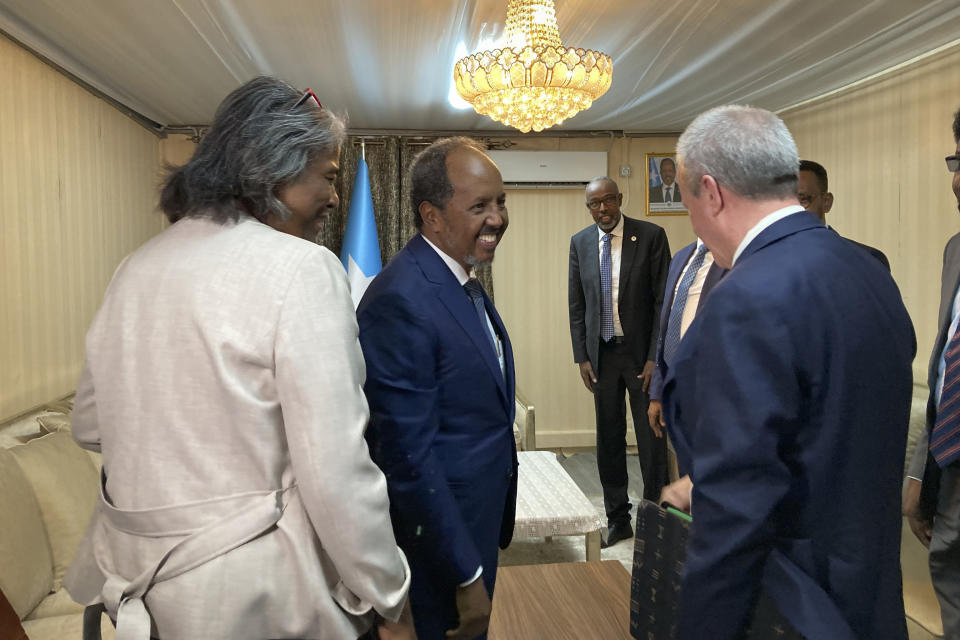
point(606, 290)
point(945, 437)
point(475, 290)
point(679, 302)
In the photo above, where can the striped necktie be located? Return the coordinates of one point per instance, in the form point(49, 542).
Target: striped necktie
point(606, 290)
point(675, 322)
point(945, 437)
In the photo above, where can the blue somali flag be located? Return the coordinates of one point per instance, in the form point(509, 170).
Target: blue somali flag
point(654, 173)
point(361, 249)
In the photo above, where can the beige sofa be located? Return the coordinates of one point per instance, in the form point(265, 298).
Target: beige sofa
point(48, 489)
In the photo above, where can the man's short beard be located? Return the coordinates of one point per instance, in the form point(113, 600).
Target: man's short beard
point(474, 262)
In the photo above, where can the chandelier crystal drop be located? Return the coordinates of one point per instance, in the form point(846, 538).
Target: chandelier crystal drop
point(534, 82)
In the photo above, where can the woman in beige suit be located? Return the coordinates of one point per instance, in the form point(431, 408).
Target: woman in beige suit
point(223, 385)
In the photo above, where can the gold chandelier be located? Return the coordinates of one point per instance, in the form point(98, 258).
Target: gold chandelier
point(534, 82)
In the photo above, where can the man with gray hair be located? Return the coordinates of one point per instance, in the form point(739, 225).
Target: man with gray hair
point(788, 400)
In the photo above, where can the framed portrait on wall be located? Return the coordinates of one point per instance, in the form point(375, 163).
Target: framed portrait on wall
point(663, 192)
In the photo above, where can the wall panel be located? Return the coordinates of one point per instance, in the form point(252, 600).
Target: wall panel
point(530, 273)
point(77, 193)
point(883, 144)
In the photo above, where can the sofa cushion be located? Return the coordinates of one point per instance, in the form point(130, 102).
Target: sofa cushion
point(25, 556)
point(65, 483)
point(53, 422)
point(10, 627)
point(58, 603)
point(61, 627)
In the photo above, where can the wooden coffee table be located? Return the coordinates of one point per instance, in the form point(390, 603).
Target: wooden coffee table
point(571, 600)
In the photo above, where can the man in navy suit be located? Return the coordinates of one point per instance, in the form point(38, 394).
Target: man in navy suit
point(813, 192)
point(692, 275)
point(440, 383)
point(788, 401)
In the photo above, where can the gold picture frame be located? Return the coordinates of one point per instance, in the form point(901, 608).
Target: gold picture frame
point(655, 195)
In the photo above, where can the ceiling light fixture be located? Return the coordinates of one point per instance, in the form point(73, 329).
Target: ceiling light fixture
point(534, 82)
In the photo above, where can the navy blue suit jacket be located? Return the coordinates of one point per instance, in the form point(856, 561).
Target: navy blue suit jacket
point(677, 264)
point(789, 402)
point(441, 423)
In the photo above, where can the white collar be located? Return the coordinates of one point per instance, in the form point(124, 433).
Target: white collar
point(617, 230)
point(454, 266)
point(765, 222)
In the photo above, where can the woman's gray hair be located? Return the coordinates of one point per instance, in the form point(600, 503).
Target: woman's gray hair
point(748, 150)
point(257, 143)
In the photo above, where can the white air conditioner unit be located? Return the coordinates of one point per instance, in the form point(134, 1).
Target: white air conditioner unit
point(558, 169)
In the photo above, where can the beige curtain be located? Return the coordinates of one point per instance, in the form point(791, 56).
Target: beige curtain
point(388, 161)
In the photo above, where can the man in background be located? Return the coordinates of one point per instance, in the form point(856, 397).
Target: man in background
point(440, 383)
point(618, 267)
point(667, 191)
point(693, 273)
point(932, 489)
point(814, 195)
point(788, 401)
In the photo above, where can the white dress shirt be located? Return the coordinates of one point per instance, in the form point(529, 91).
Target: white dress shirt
point(616, 244)
point(765, 222)
point(696, 288)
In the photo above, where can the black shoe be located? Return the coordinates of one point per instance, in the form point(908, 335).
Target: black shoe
point(616, 532)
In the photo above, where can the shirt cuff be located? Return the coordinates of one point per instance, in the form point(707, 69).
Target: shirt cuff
point(475, 577)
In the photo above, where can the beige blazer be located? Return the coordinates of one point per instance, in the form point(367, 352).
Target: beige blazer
point(223, 385)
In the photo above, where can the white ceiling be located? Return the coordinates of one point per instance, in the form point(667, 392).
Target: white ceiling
point(388, 63)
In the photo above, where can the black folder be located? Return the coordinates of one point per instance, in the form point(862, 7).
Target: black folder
point(659, 551)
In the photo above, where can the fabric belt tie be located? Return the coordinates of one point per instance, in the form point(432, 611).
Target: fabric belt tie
point(247, 516)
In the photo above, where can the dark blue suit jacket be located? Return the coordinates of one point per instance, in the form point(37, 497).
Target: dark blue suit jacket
point(441, 426)
point(789, 402)
point(677, 264)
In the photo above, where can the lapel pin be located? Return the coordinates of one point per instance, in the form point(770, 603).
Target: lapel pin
point(633, 238)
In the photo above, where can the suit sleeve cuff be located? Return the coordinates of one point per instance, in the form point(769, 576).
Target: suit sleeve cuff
point(474, 578)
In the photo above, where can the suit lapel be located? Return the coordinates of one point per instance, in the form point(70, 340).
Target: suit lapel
point(458, 303)
point(946, 318)
point(628, 250)
point(793, 223)
point(590, 266)
point(714, 274)
point(507, 384)
point(676, 268)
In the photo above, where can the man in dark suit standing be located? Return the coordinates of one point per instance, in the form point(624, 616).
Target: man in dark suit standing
point(814, 194)
point(440, 383)
point(668, 190)
point(618, 267)
point(788, 401)
point(692, 275)
point(932, 493)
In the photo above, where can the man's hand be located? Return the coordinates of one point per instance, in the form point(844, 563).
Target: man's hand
point(655, 416)
point(589, 377)
point(402, 629)
point(678, 493)
point(921, 527)
point(646, 375)
point(473, 605)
